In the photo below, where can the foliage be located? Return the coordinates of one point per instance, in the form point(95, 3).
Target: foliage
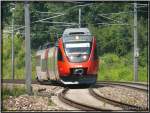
point(115, 42)
point(18, 56)
point(116, 68)
point(17, 90)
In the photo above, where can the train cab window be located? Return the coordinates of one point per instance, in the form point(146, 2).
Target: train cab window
point(78, 52)
point(44, 65)
point(60, 58)
point(38, 60)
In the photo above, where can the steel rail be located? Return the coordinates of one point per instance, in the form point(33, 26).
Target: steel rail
point(133, 85)
point(129, 82)
point(124, 84)
point(81, 106)
point(17, 81)
point(63, 98)
point(116, 103)
point(40, 92)
point(47, 94)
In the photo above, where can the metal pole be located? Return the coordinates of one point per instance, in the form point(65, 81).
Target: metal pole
point(12, 51)
point(148, 41)
point(27, 50)
point(0, 56)
point(136, 53)
point(79, 17)
point(12, 48)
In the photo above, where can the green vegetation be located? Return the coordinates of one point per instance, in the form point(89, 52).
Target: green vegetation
point(114, 68)
point(17, 90)
point(19, 54)
point(19, 57)
point(50, 102)
point(115, 42)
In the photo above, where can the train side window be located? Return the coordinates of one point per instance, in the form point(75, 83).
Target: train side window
point(44, 65)
point(48, 62)
point(38, 60)
point(59, 57)
point(49, 65)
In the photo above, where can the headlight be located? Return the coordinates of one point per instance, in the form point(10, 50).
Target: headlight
point(71, 57)
point(84, 57)
point(79, 58)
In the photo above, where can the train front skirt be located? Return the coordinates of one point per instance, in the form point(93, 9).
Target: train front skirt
point(78, 80)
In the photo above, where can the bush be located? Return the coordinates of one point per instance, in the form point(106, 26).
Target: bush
point(110, 58)
point(114, 68)
point(17, 90)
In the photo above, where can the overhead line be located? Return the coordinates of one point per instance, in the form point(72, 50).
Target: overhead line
point(19, 28)
point(142, 11)
point(84, 5)
point(59, 22)
point(11, 25)
point(117, 13)
point(110, 18)
point(48, 12)
point(63, 13)
point(141, 4)
point(113, 24)
point(48, 18)
point(72, 25)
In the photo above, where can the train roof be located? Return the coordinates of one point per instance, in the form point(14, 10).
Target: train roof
point(76, 34)
point(71, 31)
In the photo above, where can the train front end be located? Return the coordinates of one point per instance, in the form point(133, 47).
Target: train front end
point(77, 58)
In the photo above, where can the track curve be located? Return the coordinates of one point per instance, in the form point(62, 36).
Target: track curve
point(133, 85)
point(85, 107)
point(116, 103)
point(62, 96)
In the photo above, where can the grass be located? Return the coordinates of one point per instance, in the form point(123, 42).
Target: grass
point(15, 92)
point(116, 68)
point(18, 73)
point(51, 103)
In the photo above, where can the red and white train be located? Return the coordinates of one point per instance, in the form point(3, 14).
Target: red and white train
point(73, 60)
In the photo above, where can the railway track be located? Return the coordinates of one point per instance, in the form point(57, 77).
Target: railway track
point(124, 106)
point(62, 96)
point(133, 85)
point(84, 106)
point(17, 81)
point(116, 103)
point(138, 86)
point(22, 81)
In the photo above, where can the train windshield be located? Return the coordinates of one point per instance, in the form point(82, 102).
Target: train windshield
point(77, 52)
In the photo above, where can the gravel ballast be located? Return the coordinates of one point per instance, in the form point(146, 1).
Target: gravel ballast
point(29, 103)
point(39, 101)
point(125, 95)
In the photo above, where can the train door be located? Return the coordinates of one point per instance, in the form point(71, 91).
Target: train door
point(56, 64)
point(38, 65)
point(43, 74)
point(51, 64)
point(41, 66)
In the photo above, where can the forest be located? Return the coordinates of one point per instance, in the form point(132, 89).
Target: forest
point(110, 22)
